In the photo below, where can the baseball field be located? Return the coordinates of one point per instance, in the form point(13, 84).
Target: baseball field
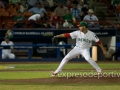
point(75, 76)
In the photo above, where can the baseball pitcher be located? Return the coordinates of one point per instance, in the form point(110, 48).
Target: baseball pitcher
point(84, 38)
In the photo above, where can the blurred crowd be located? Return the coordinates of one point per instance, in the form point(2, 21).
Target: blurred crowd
point(40, 14)
point(113, 7)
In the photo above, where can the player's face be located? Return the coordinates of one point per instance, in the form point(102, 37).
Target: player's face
point(7, 40)
point(82, 28)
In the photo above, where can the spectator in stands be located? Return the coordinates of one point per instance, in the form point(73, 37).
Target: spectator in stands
point(14, 1)
point(60, 9)
point(91, 19)
point(110, 53)
point(84, 10)
point(44, 21)
point(76, 12)
point(20, 7)
point(55, 19)
point(55, 5)
point(32, 3)
point(91, 4)
point(80, 5)
point(7, 53)
point(70, 19)
point(69, 4)
point(46, 5)
point(34, 20)
point(19, 20)
point(1, 4)
point(38, 9)
point(111, 10)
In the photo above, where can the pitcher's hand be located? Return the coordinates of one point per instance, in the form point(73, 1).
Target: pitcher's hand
point(105, 52)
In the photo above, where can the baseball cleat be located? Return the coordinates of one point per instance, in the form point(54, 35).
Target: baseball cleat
point(54, 74)
point(100, 73)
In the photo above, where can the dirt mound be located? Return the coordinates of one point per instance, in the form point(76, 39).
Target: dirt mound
point(63, 80)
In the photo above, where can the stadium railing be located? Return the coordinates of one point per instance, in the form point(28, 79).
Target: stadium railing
point(8, 24)
point(29, 47)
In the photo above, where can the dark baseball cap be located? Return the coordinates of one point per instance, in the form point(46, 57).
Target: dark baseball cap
point(6, 37)
point(83, 23)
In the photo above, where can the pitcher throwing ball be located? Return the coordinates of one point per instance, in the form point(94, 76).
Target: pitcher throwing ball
point(84, 38)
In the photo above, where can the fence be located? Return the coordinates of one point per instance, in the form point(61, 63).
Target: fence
point(29, 47)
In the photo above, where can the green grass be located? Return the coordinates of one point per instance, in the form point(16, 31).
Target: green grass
point(45, 74)
point(24, 75)
point(51, 66)
point(43, 70)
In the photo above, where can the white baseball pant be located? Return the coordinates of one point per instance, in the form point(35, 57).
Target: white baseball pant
point(9, 55)
point(75, 52)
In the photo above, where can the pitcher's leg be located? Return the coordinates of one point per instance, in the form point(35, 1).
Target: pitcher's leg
point(86, 55)
point(74, 52)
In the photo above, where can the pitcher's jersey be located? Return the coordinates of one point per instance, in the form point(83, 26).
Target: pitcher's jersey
point(6, 50)
point(84, 40)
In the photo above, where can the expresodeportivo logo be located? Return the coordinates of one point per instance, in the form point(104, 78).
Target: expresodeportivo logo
point(88, 74)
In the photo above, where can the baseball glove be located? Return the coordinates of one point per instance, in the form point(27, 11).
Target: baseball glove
point(54, 40)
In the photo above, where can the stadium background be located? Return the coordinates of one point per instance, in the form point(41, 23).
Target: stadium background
point(108, 31)
point(24, 73)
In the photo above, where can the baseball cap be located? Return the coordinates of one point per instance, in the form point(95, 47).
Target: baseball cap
point(83, 23)
point(6, 37)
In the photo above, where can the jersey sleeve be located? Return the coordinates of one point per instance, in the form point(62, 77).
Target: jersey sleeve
point(73, 34)
point(95, 38)
point(12, 43)
point(2, 43)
